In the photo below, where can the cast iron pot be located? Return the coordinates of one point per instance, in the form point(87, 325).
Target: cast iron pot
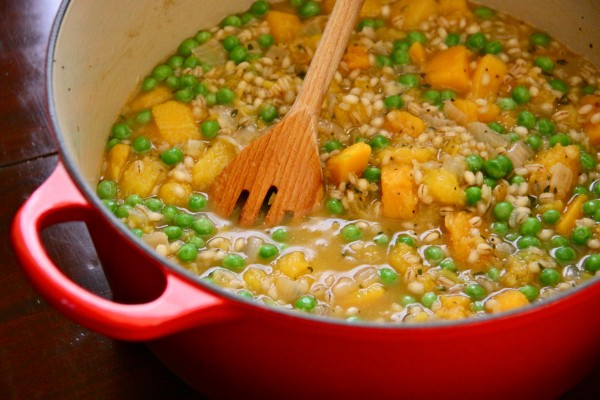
point(223, 345)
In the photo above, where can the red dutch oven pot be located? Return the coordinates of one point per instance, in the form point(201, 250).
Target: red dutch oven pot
point(228, 347)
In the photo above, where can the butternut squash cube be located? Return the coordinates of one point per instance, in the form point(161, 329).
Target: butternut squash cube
point(353, 159)
point(399, 121)
point(175, 193)
point(561, 167)
point(402, 257)
point(253, 278)
point(405, 155)
point(152, 98)
point(505, 301)
point(574, 211)
point(488, 77)
point(398, 192)
point(449, 69)
point(293, 264)
point(454, 307)
point(453, 8)
point(141, 176)
point(283, 26)
point(116, 161)
point(357, 57)
point(463, 243)
point(362, 297)
point(444, 187)
point(175, 122)
point(212, 163)
point(413, 12)
point(417, 53)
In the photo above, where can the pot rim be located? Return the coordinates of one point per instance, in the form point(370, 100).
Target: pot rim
point(287, 314)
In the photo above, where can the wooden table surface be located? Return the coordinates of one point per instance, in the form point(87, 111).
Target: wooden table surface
point(43, 355)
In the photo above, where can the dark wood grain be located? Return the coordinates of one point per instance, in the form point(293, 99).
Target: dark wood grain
point(43, 355)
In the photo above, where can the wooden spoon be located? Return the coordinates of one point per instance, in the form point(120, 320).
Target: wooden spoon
point(285, 161)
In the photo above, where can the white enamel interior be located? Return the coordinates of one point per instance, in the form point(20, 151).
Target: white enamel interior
point(104, 48)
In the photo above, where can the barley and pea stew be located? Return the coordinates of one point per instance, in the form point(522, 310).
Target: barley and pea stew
point(458, 147)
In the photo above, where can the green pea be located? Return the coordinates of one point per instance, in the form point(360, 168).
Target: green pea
point(365, 23)
point(161, 72)
point(549, 277)
point(588, 162)
point(544, 63)
point(534, 141)
point(517, 179)
point(183, 220)
point(137, 232)
point(428, 299)
point(266, 40)
point(502, 210)
point(333, 145)
point(209, 128)
point(184, 95)
point(134, 199)
point(149, 84)
point(112, 143)
point(203, 226)
point(530, 227)
point(154, 204)
point(448, 264)
point(551, 216)
point(406, 239)
point(372, 174)
point(259, 8)
point(267, 251)
point(238, 54)
point(530, 291)
point(497, 127)
point(231, 20)
point(351, 233)
point(197, 202)
point(474, 162)
point(590, 207)
point(526, 119)
point(539, 39)
point(580, 190)
point(141, 144)
point(476, 41)
point(409, 80)
point(588, 89)
point(202, 37)
point(400, 57)
point(187, 252)
point(169, 212)
point(197, 241)
point(521, 95)
point(494, 168)
point(494, 47)
point(401, 44)
point(506, 103)
point(475, 291)
point(230, 42)
point(500, 228)
point(546, 126)
point(388, 276)
point(453, 39)
point(186, 47)
point(268, 112)
point(493, 273)
point(415, 36)
point(525, 242)
point(407, 300)
point(122, 210)
point(559, 85)
point(558, 241)
point(121, 131)
point(447, 95)
point(580, 235)
point(175, 62)
point(173, 232)
point(564, 254)
point(473, 195)
point(172, 156)
point(233, 262)
point(432, 96)
point(434, 253)
point(173, 82)
point(484, 12)
point(191, 62)
point(279, 235)
point(592, 263)
point(383, 61)
point(225, 96)
point(246, 18)
point(394, 101)
point(561, 139)
point(378, 142)
point(309, 9)
point(334, 206)
point(305, 302)
point(381, 239)
point(106, 189)
point(491, 182)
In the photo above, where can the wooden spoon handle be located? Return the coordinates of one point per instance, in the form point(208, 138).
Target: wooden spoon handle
point(329, 53)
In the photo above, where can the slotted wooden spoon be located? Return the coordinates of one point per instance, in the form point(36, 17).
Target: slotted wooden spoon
point(285, 160)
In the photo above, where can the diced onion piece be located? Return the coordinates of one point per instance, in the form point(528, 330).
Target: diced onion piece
point(482, 133)
point(155, 238)
point(519, 154)
point(211, 53)
point(455, 165)
point(561, 179)
point(454, 113)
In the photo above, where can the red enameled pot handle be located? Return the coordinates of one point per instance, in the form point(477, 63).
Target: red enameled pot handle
point(180, 306)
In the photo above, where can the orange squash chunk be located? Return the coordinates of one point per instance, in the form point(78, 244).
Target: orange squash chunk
point(488, 77)
point(417, 53)
point(398, 121)
point(353, 159)
point(574, 211)
point(505, 301)
point(357, 57)
point(443, 187)
point(449, 69)
point(453, 8)
point(462, 242)
point(283, 26)
point(398, 192)
point(413, 12)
